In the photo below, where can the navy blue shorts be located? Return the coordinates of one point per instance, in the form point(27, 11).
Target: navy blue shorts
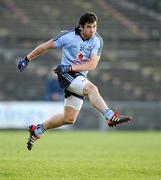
point(65, 80)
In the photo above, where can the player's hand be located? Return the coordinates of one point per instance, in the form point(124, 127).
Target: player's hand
point(63, 69)
point(22, 64)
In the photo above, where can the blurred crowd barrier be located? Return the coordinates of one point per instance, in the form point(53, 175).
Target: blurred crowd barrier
point(19, 115)
point(146, 116)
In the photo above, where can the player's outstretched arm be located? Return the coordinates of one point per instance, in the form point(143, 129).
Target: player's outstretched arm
point(39, 50)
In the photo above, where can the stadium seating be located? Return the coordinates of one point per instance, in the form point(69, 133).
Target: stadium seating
point(154, 5)
point(130, 67)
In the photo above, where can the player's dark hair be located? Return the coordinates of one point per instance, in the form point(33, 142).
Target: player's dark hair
point(88, 17)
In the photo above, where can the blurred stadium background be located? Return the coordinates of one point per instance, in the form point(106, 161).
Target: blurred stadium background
point(128, 76)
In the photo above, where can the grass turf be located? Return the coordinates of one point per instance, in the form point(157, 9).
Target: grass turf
point(81, 156)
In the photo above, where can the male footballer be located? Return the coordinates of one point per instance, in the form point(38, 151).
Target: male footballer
point(81, 52)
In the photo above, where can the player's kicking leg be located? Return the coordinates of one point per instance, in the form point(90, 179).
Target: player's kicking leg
point(97, 101)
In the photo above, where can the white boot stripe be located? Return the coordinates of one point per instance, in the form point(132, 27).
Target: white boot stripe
point(118, 119)
point(113, 119)
point(32, 137)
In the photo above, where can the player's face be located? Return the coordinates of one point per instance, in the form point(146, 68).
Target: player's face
point(89, 30)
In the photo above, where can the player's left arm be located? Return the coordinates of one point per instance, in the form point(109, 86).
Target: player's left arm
point(88, 65)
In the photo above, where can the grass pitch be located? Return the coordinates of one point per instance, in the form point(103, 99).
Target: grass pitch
point(81, 156)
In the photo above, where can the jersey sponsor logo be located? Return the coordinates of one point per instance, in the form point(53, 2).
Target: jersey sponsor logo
point(89, 48)
point(80, 56)
point(85, 48)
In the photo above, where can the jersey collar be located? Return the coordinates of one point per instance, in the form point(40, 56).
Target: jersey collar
point(77, 32)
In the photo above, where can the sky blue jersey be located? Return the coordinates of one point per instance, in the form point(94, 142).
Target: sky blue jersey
point(76, 50)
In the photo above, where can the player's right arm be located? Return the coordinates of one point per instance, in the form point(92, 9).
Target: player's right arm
point(39, 50)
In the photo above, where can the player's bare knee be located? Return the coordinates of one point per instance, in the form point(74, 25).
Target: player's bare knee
point(89, 87)
point(69, 120)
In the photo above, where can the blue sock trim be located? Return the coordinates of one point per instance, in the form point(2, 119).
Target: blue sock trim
point(108, 114)
point(39, 130)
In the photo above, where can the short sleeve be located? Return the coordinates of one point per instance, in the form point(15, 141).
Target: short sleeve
point(61, 39)
point(98, 47)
